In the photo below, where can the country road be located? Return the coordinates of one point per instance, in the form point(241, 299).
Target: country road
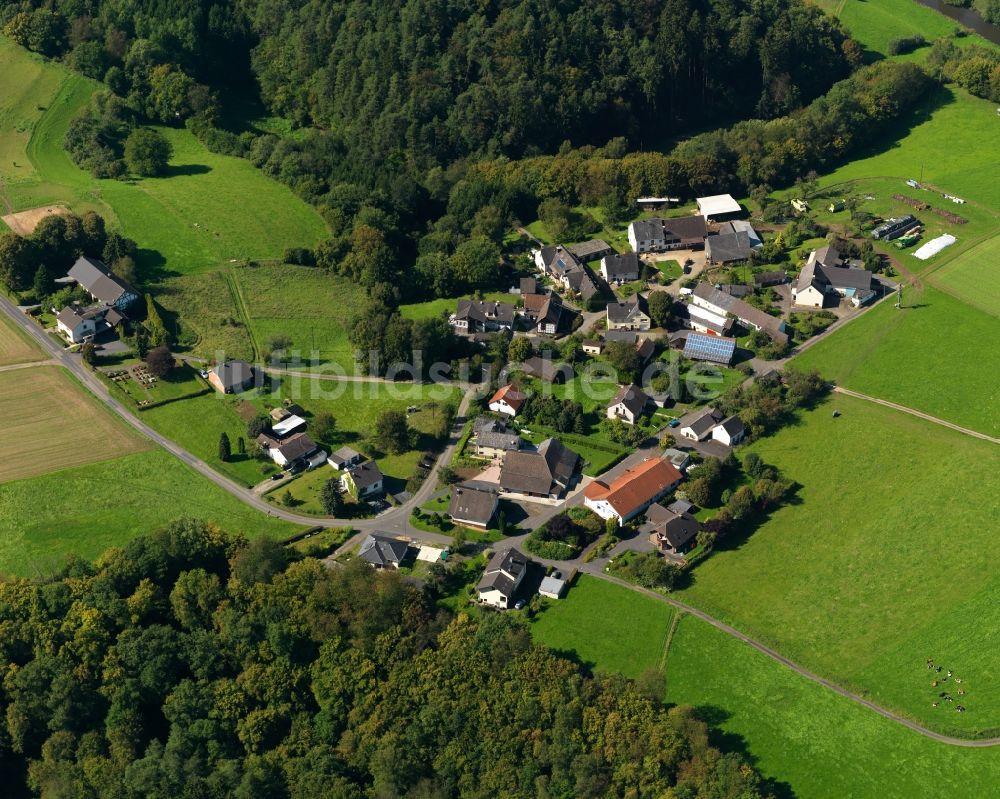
point(396, 520)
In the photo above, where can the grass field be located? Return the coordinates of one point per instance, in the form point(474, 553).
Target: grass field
point(937, 356)
point(814, 743)
point(15, 346)
point(605, 627)
point(50, 424)
point(887, 557)
point(974, 276)
point(311, 307)
point(209, 209)
point(432, 309)
point(86, 509)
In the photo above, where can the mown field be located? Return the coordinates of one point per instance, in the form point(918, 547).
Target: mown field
point(886, 557)
point(209, 209)
point(86, 509)
point(937, 355)
point(15, 346)
point(812, 742)
point(51, 424)
point(974, 276)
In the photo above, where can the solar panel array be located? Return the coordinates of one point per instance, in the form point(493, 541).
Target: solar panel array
point(710, 348)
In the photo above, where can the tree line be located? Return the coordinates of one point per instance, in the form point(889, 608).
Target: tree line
point(190, 664)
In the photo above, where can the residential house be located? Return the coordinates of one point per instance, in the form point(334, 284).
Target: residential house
point(298, 449)
point(508, 400)
point(544, 473)
point(671, 533)
point(645, 347)
point(592, 250)
point(703, 320)
point(721, 305)
point(715, 349)
point(232, 377)
point(472, 507)
point(828, 274)
point(345, 458)
point(621, 268)
point(493, 439)
point(550, 316)
point(476, 316)
point(79, 326)
point(363, 480)
point(633, 491)
point(547, 370)
point(102, 284)
point(504, 573)
point(719, 207)
point(628, 404)
point(593, 346)
point(730, 431)
point(633, 314)
point(697, 426)
point(662, 235)
point(383, 551)
point(727, 248)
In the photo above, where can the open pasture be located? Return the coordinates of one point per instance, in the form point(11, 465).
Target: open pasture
point(15, 346)
point(974, 276)
point(51, 424)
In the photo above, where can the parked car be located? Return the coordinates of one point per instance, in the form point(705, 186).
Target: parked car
point(204, 374)
point(674, 423)
point(277, 476)
point(519, 605)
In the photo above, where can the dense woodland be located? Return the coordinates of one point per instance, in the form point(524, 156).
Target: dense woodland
point(189, 664)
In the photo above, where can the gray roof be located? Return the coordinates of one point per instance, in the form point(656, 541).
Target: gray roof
point(677, 529)
point(298, 446)
point(770, 278)
point(677, 457)
point(538, 472)
point(743, 311)
point(70, 317)
point(383, 550)
point(736, 289)
point(99, 280)
point(632, 397)
point(732, 425)
point(681, 506)
point(485, 312)
point(345, 455)
point(846, 278)
point(234, 375)
point(621, 335)
point(495, 439)
point(701, 421)
point(685, 229)
point(366, 474)
point(546, 369)
point(503, 572)
point(727, 247)
point(528, 285)
point(619, 266)
point(472, 505)
point(647, 229)
point(589, 250)
point(624, 312)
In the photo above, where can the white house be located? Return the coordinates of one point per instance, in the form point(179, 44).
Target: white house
point(75, 326)
point(299, 448)
point(698, 426)
point(729, 431)
point(508, 400)
point(504, 573)
point(627, 404)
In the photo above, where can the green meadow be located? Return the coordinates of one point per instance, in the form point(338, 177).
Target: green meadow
point(886, 557)
point(208, 210)
point(89, 508)
point(937, 355)
point(974, 276)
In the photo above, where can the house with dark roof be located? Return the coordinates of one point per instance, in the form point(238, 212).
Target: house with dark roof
point(621, 268)
point(697, 425)
point(827, 274)
point(493, 439)
point(727, 248)
point(662, 235)
point(592, 250)
point(671, 533)
point(508, 400)
point(547, 370)
point(628, 404)
point(546, 312)
point(738, 290)
point(633, 491)
point(102, 284)
point(345, 458)
point(742, 225)
point(296, 449)
point(232, 377)
point(633, 314)
point(730, 431)
point(528, 285)
point(504, 573)
point(476, 316)
point(383, 551)
point(363, 480)
point(472, 507)
point(79, 325)
point(545, 473)
point(567, 270)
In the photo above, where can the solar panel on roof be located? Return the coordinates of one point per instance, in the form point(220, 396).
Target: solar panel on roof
point(710, 348)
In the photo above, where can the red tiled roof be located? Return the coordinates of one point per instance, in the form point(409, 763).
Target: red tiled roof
point(635, 487)
point(512, 395)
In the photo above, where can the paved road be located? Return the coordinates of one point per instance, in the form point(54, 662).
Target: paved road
point(919, 414)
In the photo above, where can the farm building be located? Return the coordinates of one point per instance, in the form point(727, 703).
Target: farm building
point(719, 207)
point(716, 349)
point(102, 284)
point(232, 377)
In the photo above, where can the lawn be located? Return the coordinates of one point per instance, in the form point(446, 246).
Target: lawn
point(50, 423)
point(605, 626)
point(887, 557)
point(182, 381)
point(197, 216)
point(309, 306)
point(974, 276)
point(937, 355)
point(15, 346)
point(804, 736)
point(431, 309)
point(86, 509)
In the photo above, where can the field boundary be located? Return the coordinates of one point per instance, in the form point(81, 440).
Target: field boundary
point(241, 308)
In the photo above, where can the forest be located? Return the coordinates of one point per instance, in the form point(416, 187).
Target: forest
point(192, 664)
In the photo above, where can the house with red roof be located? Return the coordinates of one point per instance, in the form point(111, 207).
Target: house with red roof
point(508, 400)
point(633, 491)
